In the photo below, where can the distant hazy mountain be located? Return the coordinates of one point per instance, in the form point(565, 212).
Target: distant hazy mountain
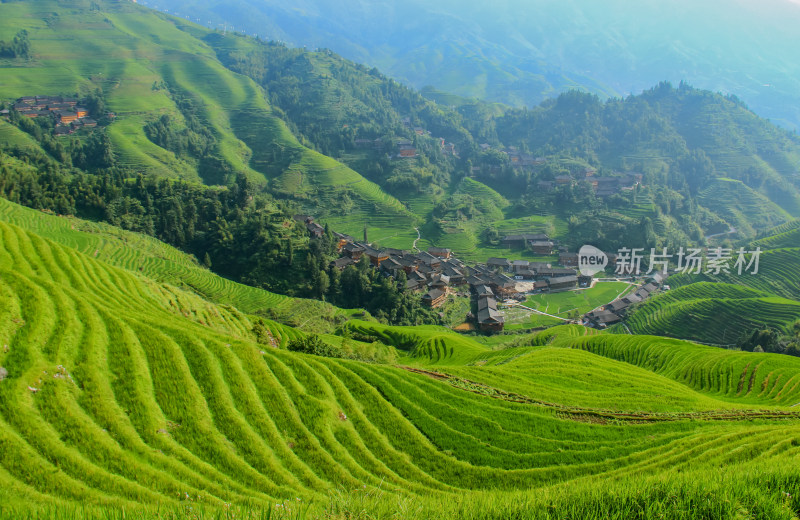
point(522, 51)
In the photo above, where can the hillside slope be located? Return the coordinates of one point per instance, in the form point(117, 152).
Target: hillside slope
point(716, 313)
point(148, 65)
point(157, 261)
point(523, 52)
point(124, 392)
point(274, 111)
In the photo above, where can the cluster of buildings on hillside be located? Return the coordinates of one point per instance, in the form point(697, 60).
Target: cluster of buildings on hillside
point(517, 158)
point(404, 148)
point(65, 111)
point(614, 312)
point(435, 274)
point(602, 186)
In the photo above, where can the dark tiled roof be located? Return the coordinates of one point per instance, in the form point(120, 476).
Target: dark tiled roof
point(562, 280)
point(618, 305)
point(438, 251)
point(483, 290)
point(343, 262)
point(499, 261)
point(433, 294)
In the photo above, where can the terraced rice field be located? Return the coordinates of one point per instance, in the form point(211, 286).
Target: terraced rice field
point(157, 261)
point(431, 344)
point(741, 206)
point(644, 207)
point(778, 273)
point(12, 136)
point(712, 312)
point(124, 392)
point(737, 377)
point(785, 235)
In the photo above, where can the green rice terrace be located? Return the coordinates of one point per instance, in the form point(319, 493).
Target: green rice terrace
point(137, 384)
point(712, 312)
point(124, 393)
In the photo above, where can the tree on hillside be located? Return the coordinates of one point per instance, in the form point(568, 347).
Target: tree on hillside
point(791, 341)
point(767, 339)
point(19, 47)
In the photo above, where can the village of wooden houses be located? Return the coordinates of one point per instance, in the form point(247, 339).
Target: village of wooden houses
point(495, 284)
point(67, 114)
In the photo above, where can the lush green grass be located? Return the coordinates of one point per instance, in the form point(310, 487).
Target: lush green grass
point(518, 319)
point(562, 304)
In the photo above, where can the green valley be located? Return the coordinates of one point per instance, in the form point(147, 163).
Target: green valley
point(241, 280)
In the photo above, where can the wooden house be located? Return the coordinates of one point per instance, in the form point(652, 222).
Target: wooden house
point(489, 319)
point(315, 229)
point(441, 252)
point(542, 247)
point(353, 250)
point(562, 283)
point(568, 259)
point(65, 117)
point(375, 256)
point(499, 263)
point(434, 298)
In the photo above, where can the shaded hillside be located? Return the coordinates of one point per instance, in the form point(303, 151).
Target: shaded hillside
point(674, 137)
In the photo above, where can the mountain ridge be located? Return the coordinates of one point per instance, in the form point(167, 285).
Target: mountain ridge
point(521, 52)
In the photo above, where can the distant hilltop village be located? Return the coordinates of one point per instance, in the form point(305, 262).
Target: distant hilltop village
point(404, 148)
point(66, 112)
